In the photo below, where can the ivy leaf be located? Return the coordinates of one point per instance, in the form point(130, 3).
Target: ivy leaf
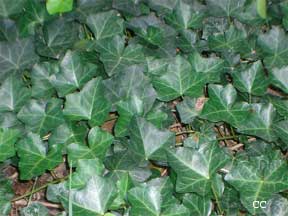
point(94, 199)
point(6, 194)
point(228, 8)
point(35, 157)
point(34, 209)
point(198, 206)
point(8, 138)
point(56, 37)
point(8, 30)
point(105, 24)
point(251, 79)
point(116, 57)
point(188, 109)
point(277, 205)
point(186, 16)
point(232, 40)
point(259, 122)
point(13, 94)
point(41, 116)
point(88, 104)
point(258, 179)
point(281, 130)
point(176, 81)
point(197, 169)
point(41, 83)
point(147, 141)
point(279, 78)
point(274, 46)
point(151, 198)
point(68, 133)
point(16, 56)
point(8, 8)
point(35, 14)
point(86, 169)
point(55, 6)
point(99, 142)
point(73, 74)
point(221, 106)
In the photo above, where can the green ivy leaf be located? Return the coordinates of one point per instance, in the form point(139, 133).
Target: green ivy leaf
point(116, 57)
point(16, 56)
point(36, 157)
point(151, 199)
point(221, 106)
point(41, 116)
point(198, 206)
point(147, 141)
point(88, 104)
point(105, 24)
point(41, 83)
point(6, 194)
point(94, 199)
point(251, 79)
point(274, 46)
point(8, 8)
point(197, 169)
point(35, 209)
point(258, 179)
point(8, 138)
point(13, 94)
point(279, 78)
point(99, 142)
point(259, 122)
point(73, 74)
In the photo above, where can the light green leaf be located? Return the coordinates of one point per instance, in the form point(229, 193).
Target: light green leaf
point(99, 142)
point(261, 8)
point(41, 116)
point(197, 169)
point(8, 138)
point(221, 106)
point(251, 79)
point(13, 94)
point(36, 157)
point(56, 6)
point(16, 56)
point(105, 24)
point(116, 57)
point(259, 122)
point(73, 74)
point(88, 104)
point(258, 179)
point(147, 141)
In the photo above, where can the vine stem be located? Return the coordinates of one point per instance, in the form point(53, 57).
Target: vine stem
point(40, 188)
point(217, 200)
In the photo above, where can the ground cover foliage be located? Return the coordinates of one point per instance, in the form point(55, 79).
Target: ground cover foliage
point(153, 107)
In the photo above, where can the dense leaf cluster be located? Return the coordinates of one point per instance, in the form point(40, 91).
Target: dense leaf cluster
point(197, 90)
